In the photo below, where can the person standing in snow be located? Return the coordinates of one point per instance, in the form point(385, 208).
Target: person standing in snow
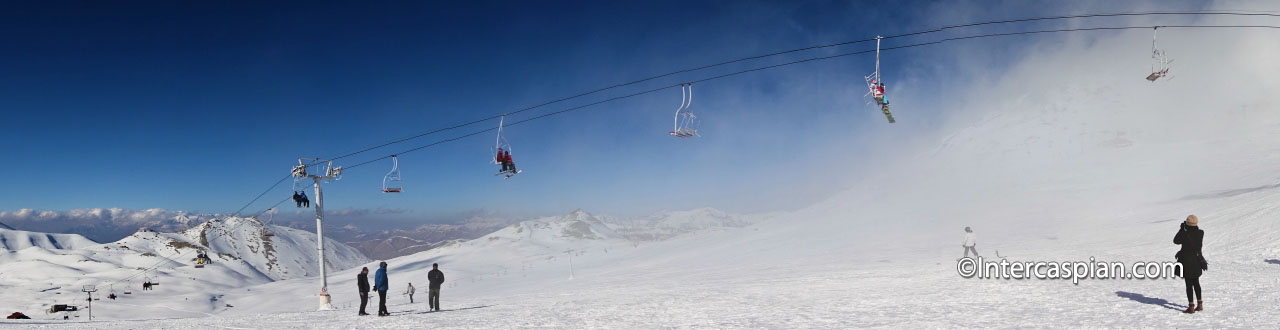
point(409, 292)
point(1191, 238)
point(434, 278)
point(362, 283)
point(381, 284)
point(970, 241)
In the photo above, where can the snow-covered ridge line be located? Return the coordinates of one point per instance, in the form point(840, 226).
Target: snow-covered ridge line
point(14, 240)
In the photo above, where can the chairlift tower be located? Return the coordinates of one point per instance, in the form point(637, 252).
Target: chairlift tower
point(89, 289)
point(330, 173)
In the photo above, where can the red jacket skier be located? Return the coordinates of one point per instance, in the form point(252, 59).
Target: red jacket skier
point(511, 164)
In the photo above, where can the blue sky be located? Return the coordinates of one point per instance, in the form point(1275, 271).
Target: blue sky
point(202, 105)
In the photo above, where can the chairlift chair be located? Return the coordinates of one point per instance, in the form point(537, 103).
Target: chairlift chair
point(1159, 61)
point(684, 123)
point(200, 262)
point(391, 182)
point(500, 144)
point(875, 86)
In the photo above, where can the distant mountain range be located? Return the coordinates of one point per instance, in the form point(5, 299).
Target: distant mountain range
point(14, 240)
point(389, 244)
point(112, 224)
point(102, 224)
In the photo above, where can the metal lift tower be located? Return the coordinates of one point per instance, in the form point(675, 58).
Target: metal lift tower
point(330, 173)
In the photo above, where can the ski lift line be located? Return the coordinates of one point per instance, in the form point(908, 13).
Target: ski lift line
point(976, 37)
point(420, 135)
point(820, 58)
point(1150, 13)
point(708, 66)
point(516, 123)
point(264, 193)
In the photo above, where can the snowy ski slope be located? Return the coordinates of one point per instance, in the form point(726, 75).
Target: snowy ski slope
point(1076, 157)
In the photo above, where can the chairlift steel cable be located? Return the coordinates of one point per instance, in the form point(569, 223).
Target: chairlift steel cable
point(820, 58)
point(843, 43)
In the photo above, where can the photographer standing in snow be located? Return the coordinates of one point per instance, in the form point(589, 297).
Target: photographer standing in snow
point(970, 240)
point(1191, 238)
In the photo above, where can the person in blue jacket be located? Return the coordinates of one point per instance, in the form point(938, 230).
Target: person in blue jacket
point(381, 284)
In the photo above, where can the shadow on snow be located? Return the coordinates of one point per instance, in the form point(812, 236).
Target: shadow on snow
point(1231, 193)
point(1138, 297)
point(450, 310)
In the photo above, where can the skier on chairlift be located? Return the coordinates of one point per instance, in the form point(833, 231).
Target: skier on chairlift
point(504, 158)
point(501, 158)
point(305, 202)
point(511, 164)
point(877, 92)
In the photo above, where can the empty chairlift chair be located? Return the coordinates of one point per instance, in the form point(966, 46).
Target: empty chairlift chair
point(685, 122)
point(391, 182)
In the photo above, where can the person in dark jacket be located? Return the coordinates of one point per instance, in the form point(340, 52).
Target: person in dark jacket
point(305, 202)
point(381, 284)
point(435, 277)
point(297, 199)
point(1191, 238)
point(362, 281)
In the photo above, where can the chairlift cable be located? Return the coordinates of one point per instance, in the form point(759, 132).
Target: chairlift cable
point(829, 45)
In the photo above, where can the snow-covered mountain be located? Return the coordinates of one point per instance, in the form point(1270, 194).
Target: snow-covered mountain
point(289, 253)
point(13, 240)
point(103, 224)
point(389, 244)
point(666, 225)
point(33, 277)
